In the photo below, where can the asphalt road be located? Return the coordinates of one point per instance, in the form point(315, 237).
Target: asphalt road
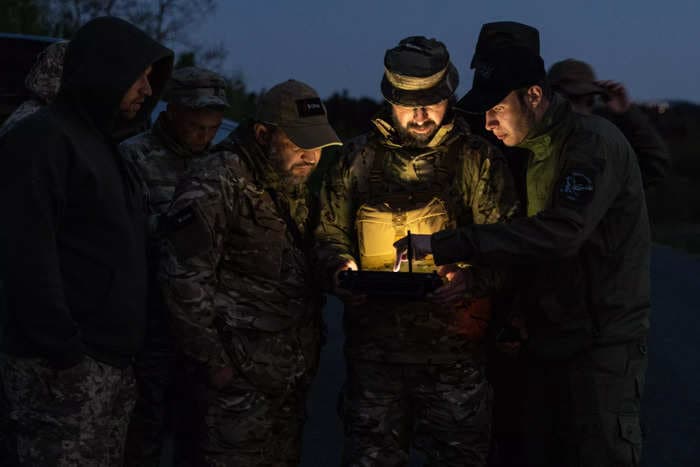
point(671, 410)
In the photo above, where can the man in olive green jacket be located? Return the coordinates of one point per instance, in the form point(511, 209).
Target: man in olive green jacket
point(586, 242)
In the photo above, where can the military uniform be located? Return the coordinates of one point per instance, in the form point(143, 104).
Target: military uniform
point(415, 371)
point(43, 81)
point(161, 162)
point(237, 284)
point(586, 296)
point(239, 287)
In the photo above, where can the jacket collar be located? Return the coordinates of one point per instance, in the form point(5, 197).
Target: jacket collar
point(539, 140)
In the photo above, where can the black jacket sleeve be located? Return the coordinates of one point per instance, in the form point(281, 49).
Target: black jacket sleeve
point(32, 195)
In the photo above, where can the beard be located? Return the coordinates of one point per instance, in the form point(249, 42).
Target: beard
point(287, 175)
point(414, 140)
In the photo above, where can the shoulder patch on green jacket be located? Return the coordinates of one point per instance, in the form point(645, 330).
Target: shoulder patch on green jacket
point(577, 186)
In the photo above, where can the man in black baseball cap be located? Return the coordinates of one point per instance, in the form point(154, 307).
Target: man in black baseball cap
point(245, 308)
point(586, 243)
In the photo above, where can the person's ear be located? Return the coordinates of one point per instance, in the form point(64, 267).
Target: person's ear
point(534, 96)
point(263, 134)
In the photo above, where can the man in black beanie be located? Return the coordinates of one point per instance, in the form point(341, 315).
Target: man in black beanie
point(586, 243)
point(73, 241)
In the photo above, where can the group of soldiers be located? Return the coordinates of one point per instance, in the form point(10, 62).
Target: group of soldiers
point(165, 284)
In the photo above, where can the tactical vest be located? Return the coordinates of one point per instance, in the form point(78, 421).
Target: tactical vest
point(411, 332)
point(389, 210)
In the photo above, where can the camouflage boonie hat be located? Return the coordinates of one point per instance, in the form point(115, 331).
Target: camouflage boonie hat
point(574, 78)
point(196, 88)
point(296, 108)
point(418, 72)
point(44, 79)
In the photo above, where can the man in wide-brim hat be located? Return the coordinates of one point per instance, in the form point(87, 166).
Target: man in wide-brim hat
point(415, 366)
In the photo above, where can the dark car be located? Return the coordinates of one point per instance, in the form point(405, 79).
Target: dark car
point(17, 55)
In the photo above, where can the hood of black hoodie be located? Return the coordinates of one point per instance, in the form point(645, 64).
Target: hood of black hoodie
point(104, 58)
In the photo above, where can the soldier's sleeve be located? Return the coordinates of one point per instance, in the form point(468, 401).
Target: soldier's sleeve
point(491, 195)
point(595, 172)
point(335, 234)
point(489, 185)
point(192, 249)
point(652, 152)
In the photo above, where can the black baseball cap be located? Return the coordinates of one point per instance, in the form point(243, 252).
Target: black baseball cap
point(499, 72)
point(296, 108)
point(502, 34)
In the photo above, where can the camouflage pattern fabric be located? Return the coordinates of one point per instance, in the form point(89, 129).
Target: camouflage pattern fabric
point(258, 419)
point(196, 88)
point(43, 81)
point(161, 163)
point(238, 289)
point(76, 416)
point(481, 191)
point(451, 420)
point(415, 373)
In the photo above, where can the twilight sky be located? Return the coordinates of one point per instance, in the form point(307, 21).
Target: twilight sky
point(653, 46)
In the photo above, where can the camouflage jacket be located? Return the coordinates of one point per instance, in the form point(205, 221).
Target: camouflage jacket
point(233, 262)
point(480, 191)
point(161, 162)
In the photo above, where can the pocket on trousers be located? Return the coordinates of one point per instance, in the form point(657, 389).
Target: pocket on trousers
point(630, 446)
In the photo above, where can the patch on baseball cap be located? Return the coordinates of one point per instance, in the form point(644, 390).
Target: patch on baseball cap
point(296, 108)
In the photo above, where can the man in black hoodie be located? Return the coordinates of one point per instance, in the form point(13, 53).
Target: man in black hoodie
point(72, 242)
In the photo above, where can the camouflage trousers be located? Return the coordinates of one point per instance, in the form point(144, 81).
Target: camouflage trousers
point(76, 416)
point(583, 412)
point(257, 420)
point(442, 410)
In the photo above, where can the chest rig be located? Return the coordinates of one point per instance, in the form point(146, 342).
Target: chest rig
point(389, 207)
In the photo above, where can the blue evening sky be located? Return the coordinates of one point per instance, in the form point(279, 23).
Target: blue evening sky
point(653, 46)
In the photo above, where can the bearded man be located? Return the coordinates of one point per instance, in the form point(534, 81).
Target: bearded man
point(237, 280)
point(415, 367)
